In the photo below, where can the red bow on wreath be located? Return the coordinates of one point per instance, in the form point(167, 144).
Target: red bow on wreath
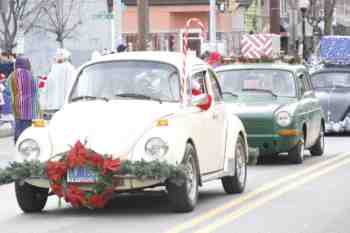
point(99, 192)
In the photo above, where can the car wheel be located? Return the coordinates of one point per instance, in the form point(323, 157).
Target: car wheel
point(318, 148)
point(30, 199)
point(183, 197)
point(236, 183)
point(296, 155)
point(263, 159)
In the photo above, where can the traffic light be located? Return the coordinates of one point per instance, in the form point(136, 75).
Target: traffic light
point(221, 5)
point(110, 6)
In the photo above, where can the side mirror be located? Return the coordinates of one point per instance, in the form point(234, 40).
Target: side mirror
point(203, 101)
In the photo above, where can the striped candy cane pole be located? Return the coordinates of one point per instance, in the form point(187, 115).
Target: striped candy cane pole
point(185, 52)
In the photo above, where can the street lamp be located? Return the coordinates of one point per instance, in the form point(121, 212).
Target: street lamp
point(303, 6)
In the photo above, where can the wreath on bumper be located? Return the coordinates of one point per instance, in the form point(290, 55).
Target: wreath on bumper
point(105, 167)
point(79, 157)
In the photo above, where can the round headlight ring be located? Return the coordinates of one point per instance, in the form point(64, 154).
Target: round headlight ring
point(29, 148)
point(156, 147)
point(283, 119)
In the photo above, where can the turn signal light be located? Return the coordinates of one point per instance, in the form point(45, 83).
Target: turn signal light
point(289, 133)
point(162, 122)
point(39, 123)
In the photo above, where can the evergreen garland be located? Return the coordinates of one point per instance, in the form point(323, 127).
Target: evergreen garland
point(140, 169)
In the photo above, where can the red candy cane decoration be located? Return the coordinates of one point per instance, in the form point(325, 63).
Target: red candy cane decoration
point(185, 49)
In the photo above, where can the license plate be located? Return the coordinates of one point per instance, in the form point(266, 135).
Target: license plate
point(81, 175)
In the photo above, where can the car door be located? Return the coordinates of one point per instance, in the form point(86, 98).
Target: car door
point(316, 115)
point(306, 108)
point(202, 129)
point(218, 121)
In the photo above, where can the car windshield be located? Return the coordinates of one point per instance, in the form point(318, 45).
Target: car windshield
point(331, 80)
point(278, 83)
point(128, 79)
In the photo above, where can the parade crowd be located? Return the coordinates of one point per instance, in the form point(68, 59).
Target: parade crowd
point(25, 97)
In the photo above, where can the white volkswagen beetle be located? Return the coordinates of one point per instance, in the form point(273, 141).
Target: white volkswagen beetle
point(137, 106)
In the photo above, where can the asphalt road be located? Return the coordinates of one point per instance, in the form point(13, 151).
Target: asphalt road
point(279, 198)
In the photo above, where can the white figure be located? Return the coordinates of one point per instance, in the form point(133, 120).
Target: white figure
point(59, 82)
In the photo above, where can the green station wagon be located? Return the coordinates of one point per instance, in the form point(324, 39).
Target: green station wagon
point(277, 106)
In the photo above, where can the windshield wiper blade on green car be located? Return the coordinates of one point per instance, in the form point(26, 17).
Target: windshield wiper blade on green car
point(87, 97)
point(260, 90)
point(230, 93)
point(138, 96)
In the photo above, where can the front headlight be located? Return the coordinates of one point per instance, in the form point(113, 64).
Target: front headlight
point(283, 119)
point(156, 147)
point(29, 148)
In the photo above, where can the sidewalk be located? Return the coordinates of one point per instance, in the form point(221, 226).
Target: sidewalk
point(7, 151)
point(6, 130)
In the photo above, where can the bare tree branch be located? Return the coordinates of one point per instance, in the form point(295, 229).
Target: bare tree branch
point(59, 19)
point(22, 14)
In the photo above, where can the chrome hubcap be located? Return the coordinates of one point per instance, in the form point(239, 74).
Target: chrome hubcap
point(191, 178)
point(322, 138)
point(240, 164)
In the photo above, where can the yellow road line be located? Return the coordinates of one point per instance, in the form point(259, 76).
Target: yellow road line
point(247, 196)
point(238, 213)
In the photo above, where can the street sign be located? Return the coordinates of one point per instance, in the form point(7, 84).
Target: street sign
point(103, 15)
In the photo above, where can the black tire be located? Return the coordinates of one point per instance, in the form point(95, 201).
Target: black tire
point(263, 159)
point(30, 199)
point(296, 155)
point(236, 183)
point(183, 197)
point(318, 148)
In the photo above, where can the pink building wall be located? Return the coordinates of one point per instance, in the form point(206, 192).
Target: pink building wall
point(173, 18)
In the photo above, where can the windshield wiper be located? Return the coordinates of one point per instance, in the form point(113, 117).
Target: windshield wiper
point(87, 97)
point(138, 96)
point(230, 93)
point(260, 90)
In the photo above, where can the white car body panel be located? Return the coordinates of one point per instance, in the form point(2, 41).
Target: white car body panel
point(121, 128)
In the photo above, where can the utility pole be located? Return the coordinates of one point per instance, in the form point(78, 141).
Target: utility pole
point(275, 16)
point(119, 21)
point(212, 19)
point(4, 5)
point(143, 23)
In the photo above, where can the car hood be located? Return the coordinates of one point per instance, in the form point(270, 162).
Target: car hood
point(248, 108)
point(334, 101)
point(108, 127)
point(258, 115)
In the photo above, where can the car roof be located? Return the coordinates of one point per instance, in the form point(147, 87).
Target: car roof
point(332, 69)
point(274, 66)
point(172, 58)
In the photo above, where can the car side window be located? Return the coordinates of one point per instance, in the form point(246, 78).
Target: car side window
point(199, 79)
point(216, 87)
point(302, 84)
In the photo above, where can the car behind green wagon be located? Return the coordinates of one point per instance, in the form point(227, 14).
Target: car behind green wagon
point(278, 108)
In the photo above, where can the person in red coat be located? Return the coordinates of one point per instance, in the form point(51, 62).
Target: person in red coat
point(196, 91)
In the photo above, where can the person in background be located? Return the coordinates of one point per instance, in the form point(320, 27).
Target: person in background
point(121, 48)
point(2, 89)
point(205, 56)
point(58, 83)
point(24, 95)
point(214, 59)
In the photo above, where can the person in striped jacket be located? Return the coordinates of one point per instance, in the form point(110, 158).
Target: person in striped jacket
point(24, 95)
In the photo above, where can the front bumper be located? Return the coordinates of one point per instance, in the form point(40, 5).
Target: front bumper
point(270, 144)
point(124, 183)
point(338, 127)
